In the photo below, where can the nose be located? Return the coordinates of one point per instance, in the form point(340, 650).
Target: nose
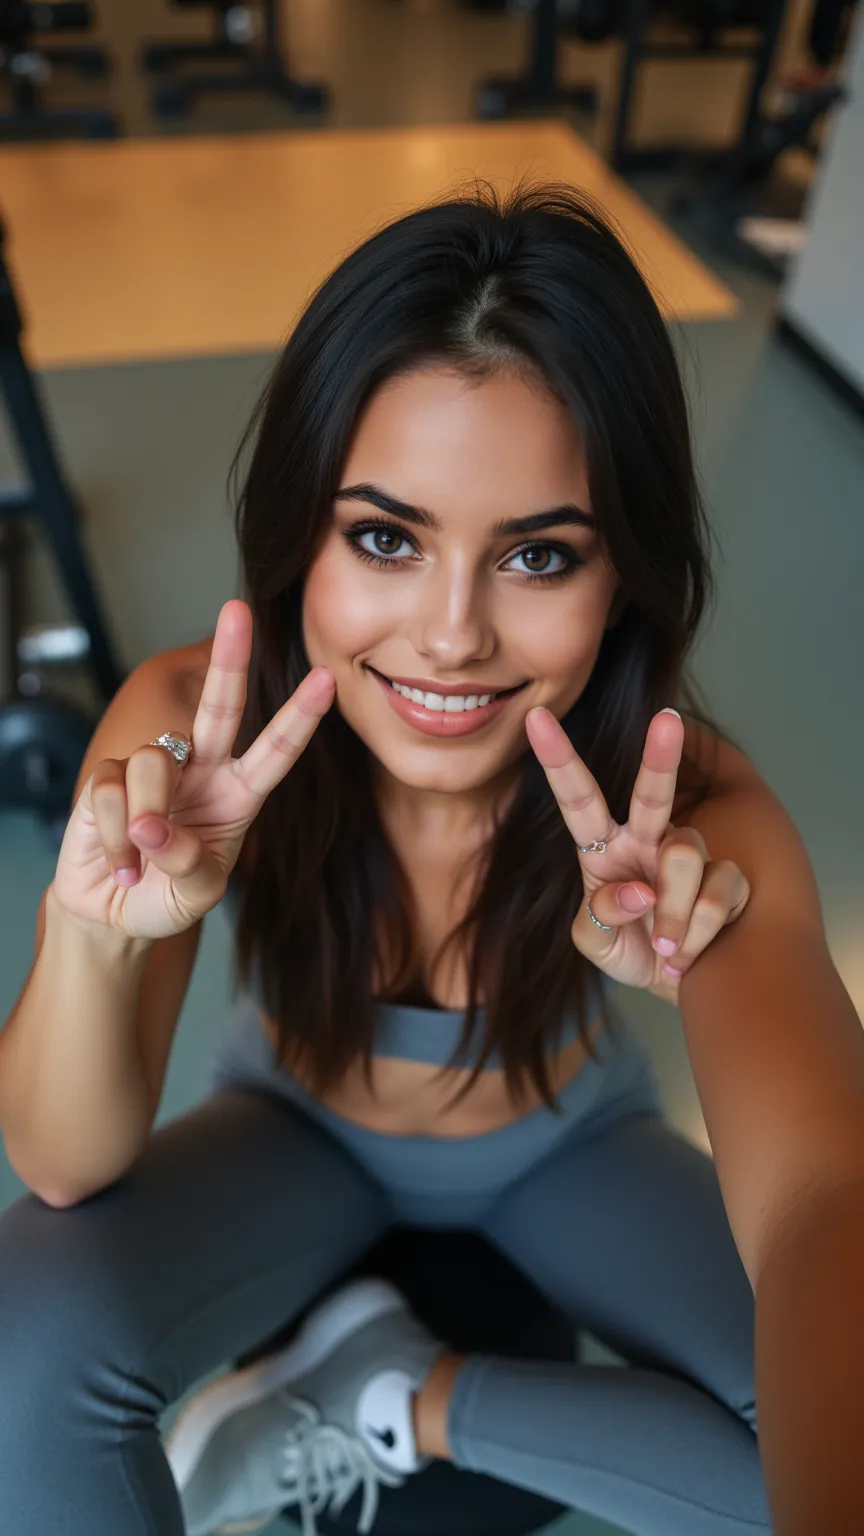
point(453, 623)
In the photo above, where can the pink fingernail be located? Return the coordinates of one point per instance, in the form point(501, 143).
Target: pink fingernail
point(671, 971)
point(126, 876)
point(665, 946)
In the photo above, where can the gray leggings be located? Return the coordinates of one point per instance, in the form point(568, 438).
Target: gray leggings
point(242, 1211)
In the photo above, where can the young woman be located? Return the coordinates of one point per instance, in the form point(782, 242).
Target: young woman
point(435, 775)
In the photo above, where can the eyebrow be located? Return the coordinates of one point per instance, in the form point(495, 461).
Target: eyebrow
point(552, 518)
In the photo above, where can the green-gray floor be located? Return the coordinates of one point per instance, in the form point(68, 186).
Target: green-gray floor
point(782, 461)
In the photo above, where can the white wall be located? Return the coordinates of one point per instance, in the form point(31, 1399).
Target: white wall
point(824, 294)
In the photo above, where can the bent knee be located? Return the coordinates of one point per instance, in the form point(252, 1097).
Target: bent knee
point(65, 1298)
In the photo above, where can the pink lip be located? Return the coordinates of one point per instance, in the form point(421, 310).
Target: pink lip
point(439, 723)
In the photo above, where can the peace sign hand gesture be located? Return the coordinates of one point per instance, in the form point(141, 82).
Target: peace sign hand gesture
point(647, 864)
point(177, 830)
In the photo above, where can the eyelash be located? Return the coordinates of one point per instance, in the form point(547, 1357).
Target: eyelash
point(352, 536)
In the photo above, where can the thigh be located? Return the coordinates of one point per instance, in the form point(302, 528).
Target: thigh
point(627, 1232)
point(233, 1219)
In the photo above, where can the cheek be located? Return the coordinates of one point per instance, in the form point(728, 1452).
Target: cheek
point(341, 615)
point(558, 645)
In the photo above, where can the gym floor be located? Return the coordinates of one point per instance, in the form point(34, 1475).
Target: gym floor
point(147, 448)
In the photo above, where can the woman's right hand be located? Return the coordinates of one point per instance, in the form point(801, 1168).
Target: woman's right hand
point(205, 807)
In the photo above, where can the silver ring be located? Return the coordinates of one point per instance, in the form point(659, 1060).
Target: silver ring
point(607, 927)
point(592, 848)
point(180, 747)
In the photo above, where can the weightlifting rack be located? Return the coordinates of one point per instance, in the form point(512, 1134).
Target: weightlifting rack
point(42, 737)
point(259, 68)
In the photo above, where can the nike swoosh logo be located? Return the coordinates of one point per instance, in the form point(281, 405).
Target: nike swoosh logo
point(386, 1436)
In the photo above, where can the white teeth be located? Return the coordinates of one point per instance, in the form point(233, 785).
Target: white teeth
point(448, 704)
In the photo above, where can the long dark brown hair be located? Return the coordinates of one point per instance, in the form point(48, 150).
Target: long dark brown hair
point(540, 278)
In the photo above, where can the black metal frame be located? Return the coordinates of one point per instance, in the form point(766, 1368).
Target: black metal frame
point(260, 68)
point(637, 49)
point(29, 118)
point(49, 499)
point(537, 90)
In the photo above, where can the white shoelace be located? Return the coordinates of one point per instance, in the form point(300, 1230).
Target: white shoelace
point(323, 1463)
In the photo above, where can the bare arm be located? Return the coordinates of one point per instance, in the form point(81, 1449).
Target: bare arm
point(778, 1060)
point(83, 1055)
point(84, 1051)
point(75, 1109)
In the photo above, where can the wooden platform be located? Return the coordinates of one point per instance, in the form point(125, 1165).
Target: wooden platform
point(145, 249)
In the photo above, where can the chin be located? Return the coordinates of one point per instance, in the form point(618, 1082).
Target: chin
point(428, 769)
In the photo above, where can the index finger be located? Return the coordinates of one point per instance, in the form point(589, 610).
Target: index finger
point(578, 794)
point(223, 697)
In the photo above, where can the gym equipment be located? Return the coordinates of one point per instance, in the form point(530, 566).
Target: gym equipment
point(706, 21)
point(470, 1296)
point(596, 20)
point(750, 217)
point(537, 90)
point(26, 68)
point(726, 187)
point(260, 69)
point(43, 737)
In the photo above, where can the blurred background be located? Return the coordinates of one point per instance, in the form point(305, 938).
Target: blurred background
point(177, 178)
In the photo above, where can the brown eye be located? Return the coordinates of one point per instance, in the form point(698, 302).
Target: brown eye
point(380, 531)
point(536, 562)
point(536, 558)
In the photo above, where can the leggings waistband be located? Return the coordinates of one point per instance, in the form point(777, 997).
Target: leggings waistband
point(456, 1177)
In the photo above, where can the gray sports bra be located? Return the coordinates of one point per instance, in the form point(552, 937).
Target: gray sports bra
point(409, 1033)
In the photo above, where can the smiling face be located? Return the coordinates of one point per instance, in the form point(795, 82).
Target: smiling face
point(457, 603)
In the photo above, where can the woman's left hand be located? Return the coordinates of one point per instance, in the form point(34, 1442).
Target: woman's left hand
point(688, 897)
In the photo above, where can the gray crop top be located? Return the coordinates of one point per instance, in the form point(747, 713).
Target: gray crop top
point(409, 1033)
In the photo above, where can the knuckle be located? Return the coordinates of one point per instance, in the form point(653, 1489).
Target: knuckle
point(283, 740)
point(108, 802)
point(218, 708)
point(712, 911)
point(148, 773)
point(106, 773)
point(728, 871)
point(682, 856)
point(576, 800)
point(649, 801)
point(148, 756)
point(683, 837)
point(108, 794)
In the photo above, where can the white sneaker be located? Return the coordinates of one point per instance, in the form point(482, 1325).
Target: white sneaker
point(310, 1424)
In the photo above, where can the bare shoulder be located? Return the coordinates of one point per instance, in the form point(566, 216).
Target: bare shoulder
point(708, 756)
point(181, 671)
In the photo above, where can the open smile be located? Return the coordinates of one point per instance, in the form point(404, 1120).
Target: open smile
point(440, 714)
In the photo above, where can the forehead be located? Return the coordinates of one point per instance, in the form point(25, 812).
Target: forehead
point(438, 434)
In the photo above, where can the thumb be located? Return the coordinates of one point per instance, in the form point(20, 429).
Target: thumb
point(617, 904)
point(179, 853)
